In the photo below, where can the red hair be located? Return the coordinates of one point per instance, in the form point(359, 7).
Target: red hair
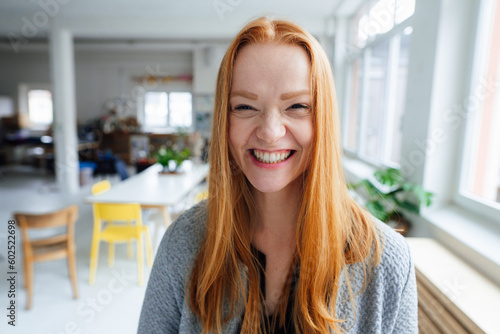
point(332, 230)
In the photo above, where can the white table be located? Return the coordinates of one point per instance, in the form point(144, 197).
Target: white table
point(151, 189)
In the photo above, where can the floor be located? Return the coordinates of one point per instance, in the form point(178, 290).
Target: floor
point(111, 305)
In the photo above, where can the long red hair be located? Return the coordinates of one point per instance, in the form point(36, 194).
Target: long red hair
point(332, 230)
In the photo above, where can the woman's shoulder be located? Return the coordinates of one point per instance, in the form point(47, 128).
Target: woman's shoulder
point(394, 262)
point(183, 237)
point(390, 284)
point(395, 258)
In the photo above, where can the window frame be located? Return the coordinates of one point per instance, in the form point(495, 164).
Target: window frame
point(469, 201)
point(364, 53)
point(23, 90)
point(168, 128)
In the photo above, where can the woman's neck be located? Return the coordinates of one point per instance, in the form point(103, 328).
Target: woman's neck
point(277, 217)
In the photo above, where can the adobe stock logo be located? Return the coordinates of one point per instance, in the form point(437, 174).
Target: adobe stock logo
point(32, 26)
point(223, 6)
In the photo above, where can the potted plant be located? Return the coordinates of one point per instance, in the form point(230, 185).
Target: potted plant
point(171, 158)
point(389, 195)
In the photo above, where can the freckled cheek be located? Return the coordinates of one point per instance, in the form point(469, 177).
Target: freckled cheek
point(304, 135)
point(236, 138)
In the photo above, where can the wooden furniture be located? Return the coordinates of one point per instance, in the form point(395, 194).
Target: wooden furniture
point(154, 190)
point(118, 143)
point(438, 314)
point(106, 228)
point(52, 248)
point(122, 144)
point(452, 296)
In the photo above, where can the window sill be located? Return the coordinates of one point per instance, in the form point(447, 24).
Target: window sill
point(472, 293)
point(475, 239)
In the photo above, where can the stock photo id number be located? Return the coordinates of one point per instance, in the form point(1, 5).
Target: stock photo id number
point(11, 273)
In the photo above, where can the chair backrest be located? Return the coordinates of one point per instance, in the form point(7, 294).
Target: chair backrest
point(62, 217)
point(118, 212)
point(100, 187)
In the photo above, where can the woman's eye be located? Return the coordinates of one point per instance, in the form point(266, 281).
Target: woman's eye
point(299, 106)
point(244, 110)
point(243, 107)
point(298, 110)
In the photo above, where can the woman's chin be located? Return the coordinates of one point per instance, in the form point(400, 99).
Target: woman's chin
point(272, 185)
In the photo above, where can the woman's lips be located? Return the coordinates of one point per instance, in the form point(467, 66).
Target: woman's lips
point(271, 159)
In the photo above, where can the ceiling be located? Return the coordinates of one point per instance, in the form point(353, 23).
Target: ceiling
point(156, 19)
point(188, 9)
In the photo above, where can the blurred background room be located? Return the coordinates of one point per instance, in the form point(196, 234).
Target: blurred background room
point(111, 102)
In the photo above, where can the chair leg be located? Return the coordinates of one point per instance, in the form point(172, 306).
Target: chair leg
point(140, 259)
point(29, 284)
point(72, 272)
point(26, 271)
point(94, 254)
point(111, 253)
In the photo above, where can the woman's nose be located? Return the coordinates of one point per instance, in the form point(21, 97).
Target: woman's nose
point(271, 128)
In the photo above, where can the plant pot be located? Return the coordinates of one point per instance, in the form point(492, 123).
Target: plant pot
point(171, 168)
point(399, 223)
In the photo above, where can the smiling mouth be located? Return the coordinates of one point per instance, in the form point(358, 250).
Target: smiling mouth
point(272, 158)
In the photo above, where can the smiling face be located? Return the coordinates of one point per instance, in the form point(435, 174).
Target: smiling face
point(270, 118)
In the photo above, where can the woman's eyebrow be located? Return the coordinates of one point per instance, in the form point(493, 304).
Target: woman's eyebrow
point(289, 95)
point(248, 95)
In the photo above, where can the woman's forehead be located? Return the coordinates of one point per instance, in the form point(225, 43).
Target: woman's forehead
point(261, 64)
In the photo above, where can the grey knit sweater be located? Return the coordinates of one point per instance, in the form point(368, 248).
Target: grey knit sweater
point(388, 305)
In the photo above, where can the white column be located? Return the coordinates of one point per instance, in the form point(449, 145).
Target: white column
point(64, 102)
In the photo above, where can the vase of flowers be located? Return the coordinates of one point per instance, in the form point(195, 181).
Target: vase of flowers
point(171, 158)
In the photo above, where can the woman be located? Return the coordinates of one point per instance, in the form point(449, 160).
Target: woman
point(279, 246)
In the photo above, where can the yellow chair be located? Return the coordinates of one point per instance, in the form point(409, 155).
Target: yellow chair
point(101, 187)
point(202, 195)
point(98, 188)
point(51, 248)
point(106, 228)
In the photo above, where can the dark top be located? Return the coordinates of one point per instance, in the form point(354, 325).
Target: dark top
point(288, 329)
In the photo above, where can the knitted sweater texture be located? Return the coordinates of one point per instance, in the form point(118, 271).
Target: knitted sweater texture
point(388, 304)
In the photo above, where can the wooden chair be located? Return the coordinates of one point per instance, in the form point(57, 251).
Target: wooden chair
point(52, 248)
point(106, 228)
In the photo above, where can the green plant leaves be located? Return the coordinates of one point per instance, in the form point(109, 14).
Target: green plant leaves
point(164, 155)
point(378, 210)
point(389, 176)
point(403, 196)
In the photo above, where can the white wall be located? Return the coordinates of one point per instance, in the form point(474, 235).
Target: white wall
point(106, 75)
point(207, 59)
point(100, 75)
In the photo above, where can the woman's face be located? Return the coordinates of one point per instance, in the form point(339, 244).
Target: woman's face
point(270, 118)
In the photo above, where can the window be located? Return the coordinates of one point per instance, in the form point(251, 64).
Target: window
point(481, 164)
point(40, 106)
point(377, 80)
point(35, 103)
point(163, 111)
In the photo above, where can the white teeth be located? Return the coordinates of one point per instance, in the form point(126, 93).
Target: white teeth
point(271, 158)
